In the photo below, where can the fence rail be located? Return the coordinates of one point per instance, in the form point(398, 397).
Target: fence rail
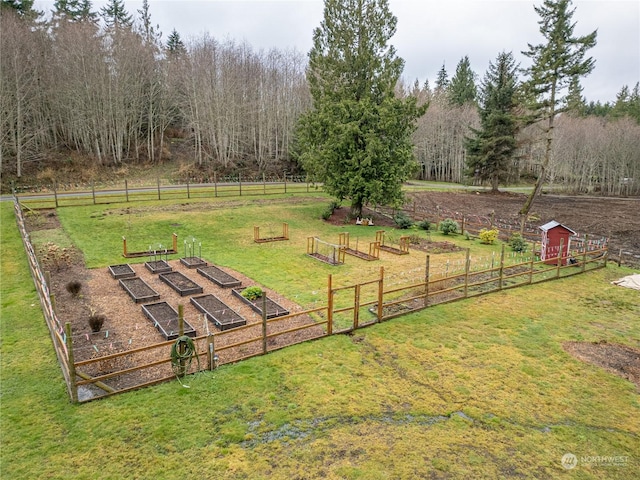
point(56, 195)
point(347, 308)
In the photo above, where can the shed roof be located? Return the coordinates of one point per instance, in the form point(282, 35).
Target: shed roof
point(553, 224)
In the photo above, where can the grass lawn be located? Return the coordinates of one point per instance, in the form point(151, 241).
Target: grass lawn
point(475, 389)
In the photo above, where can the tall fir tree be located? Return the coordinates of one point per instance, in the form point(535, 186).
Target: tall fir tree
point(491, 150)
point(115, 14)
point(462, 87)
point(357, 137)
point(555, 62)
point(73, 11)
point(442, 81)
point(175, 45)
point(575, 102)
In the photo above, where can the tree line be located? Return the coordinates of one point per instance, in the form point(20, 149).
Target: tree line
point(104, 84)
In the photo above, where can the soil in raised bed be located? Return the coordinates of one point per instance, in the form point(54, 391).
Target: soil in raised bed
point(219, 277)
point(273, 309)
point(121, 271)
point(193, 262)
point(138, 289)
point(181, 283)
point(223, 316)
point(158, 266)
point(165, 319)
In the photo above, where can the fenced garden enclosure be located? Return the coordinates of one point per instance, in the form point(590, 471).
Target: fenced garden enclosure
point(342, 308)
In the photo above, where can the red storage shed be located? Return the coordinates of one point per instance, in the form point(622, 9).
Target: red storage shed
point(554, 234)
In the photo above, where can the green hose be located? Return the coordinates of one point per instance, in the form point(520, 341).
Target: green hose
point(182, 353)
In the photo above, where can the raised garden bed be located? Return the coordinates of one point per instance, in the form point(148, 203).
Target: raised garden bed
point(165, 319)
point(219, 277)
point(180, 283)
point(273, 309)
point(218, 312)
point(193, 262)
point(158, 266)
point(121, 271)
point(139, 290)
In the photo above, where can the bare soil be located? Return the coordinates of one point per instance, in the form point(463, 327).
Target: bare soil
point(618, 359)
point(618, 219)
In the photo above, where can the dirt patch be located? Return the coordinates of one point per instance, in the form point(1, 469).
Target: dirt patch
point(614, 218)
point(618, 359)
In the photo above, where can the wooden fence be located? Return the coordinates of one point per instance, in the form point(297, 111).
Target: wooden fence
point(347, 308)
point(55, 195)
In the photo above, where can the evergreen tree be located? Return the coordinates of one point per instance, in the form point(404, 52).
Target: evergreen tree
point(24, 8)
point(175, 46)
point(442, 81)
point(490, 151)
point(74, 11)
point(115, 15)
point(556, 62)
point(357, 137)
point(576, 104)
point(462, 88)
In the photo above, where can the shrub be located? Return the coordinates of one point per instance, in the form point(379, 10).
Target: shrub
point(96, 321)
point(488, 236)
point(74, 287)
point(53, 257)
point(252, 293)
point(517, 243)
point(448, 226)
point(402, 220)
point(329, 211)
point(424, 225)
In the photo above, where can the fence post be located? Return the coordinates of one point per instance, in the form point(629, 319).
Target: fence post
point(559, 261)
point(426, 282)
point(533, 257)
point(356, 306)
point(501, 268)
point(55, 193)
point(180, 320)
point(215, 184)
point(466, 272)
point(264, 185)
point(264, 322)
point(211, 351)
point(285, 183)
point(71, 361)
point(380, 294)
point(93, 191)
point(240, 183)
point(126, 189)
point(329, 307)
point(188, 192)
point(584, 254)
point(158, 188)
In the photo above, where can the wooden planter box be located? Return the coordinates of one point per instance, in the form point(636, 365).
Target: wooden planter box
point(219, 277)
point(139, 290)
point(121, 271)
point(218, 312)
point(193, 262)
point(158, 266)
point(165, 318)
point(273, 309)
point(181, 284)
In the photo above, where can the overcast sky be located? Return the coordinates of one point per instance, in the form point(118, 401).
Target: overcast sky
point(429, 33)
